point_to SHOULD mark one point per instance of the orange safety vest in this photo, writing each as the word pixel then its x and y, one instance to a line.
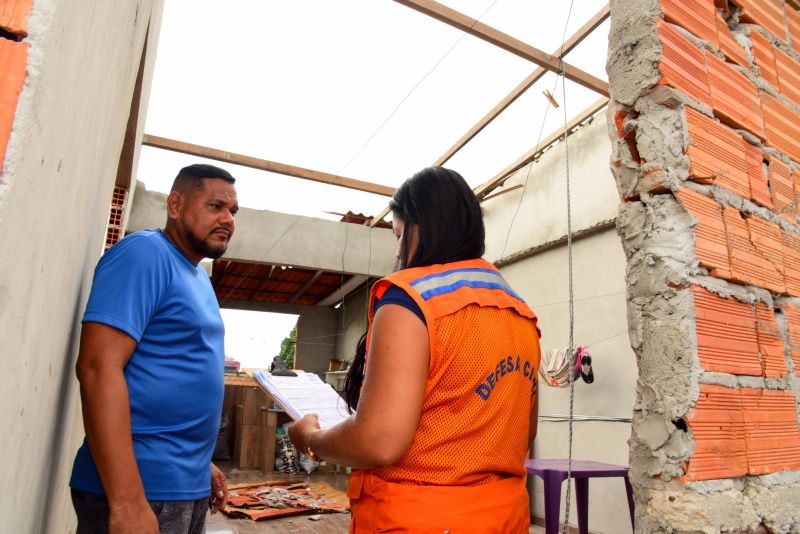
pixel 466 460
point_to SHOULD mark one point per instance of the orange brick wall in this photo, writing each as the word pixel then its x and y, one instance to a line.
pixel 115 216
pixel 13 64
pixel 742 145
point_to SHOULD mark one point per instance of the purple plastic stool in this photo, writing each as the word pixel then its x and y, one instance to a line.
pixel 554 472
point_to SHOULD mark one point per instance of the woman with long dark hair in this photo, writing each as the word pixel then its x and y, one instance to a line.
pixel 448 406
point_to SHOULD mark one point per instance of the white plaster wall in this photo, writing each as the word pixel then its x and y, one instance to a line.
pixel 541 215
pixel 54 201
pixel 272 237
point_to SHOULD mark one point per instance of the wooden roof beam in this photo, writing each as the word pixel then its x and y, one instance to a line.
pixel 536 151
pixel 266 165
pixel 304 287
pixel 569 45
pixel 491 35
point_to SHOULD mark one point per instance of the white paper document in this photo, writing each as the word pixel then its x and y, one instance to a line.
pixel 304 394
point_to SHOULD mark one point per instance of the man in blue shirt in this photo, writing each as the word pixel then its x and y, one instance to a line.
pixel 150 368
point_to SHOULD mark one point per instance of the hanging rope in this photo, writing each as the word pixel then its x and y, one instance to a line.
pixel 571 295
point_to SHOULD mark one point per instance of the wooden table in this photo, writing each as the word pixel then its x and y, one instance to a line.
pixel 252 421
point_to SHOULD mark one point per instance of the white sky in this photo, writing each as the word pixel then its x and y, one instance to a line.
pixel 310 82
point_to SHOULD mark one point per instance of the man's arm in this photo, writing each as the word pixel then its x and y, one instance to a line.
pixel 104 352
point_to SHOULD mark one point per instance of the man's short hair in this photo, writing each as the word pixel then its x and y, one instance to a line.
pixel 192 177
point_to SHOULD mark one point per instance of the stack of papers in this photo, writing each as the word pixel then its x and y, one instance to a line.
pixel 304 394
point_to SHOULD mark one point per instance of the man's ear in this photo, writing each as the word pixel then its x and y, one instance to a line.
pixel 174 204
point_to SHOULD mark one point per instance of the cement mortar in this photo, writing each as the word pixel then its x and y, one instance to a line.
pixel 635 49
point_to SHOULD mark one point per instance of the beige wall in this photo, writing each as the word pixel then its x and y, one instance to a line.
pixel 55 195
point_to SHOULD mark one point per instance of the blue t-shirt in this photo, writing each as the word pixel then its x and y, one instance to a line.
pixel 396 295
pixel 147 288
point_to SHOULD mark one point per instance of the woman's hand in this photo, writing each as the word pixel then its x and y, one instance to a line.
pixel 300 431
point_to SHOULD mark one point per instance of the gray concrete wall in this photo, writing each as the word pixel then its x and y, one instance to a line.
pixel 352 323
pixel 316 339
pixel 271 237
pixel 55 195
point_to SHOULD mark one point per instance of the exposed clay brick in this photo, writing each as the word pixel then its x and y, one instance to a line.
pixel 793 24
pixel 697 17
pixel 782 125
pixel 781 185
pixel 793 319
pixel 771 435
pixel 13 64
pixel 682 64
pixel 734 97
pixel 717 154
pixel 717 422
pixel 791 262
pixel 728 44
pixel 770 342
pixel 14 16
pixel 759 186
pixel 766 237
pixel 764 57
pixel 726 334
pixel 765 13
pixel 748 264
pixel 788 76
pixel 711 241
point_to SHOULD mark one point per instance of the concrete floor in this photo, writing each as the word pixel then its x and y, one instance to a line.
pixel 327 524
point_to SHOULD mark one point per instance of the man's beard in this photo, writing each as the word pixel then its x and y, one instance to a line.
pixel 202 247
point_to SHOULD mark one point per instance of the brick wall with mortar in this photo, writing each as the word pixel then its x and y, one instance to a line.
pixel 705 128
pixel 13 63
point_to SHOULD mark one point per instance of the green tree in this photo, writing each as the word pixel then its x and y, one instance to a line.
pixel 288 347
